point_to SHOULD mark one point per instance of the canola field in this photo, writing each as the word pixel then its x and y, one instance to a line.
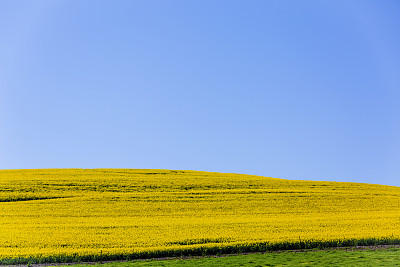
pixel 95 212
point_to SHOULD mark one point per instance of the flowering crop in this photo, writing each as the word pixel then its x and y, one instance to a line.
pixel 78 212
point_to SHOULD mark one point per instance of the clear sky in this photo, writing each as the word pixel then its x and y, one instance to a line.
pixel 289 89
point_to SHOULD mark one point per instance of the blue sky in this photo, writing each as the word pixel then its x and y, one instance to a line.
pixel 289 89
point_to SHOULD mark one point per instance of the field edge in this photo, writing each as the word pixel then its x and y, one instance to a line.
pixel 203 251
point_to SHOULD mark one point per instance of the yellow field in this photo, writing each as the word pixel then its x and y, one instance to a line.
pixel 111 211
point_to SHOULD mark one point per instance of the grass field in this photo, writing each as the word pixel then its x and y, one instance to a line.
pixel 365 257
pixel 60 215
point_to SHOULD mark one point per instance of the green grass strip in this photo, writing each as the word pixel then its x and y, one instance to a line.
pixel 388 256
pixel 204 251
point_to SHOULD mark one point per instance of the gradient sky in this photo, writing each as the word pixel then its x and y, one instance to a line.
pixel 289 89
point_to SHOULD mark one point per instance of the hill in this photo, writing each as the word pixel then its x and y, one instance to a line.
pixel 90 214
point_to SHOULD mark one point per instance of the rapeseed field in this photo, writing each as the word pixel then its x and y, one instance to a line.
pixel 65 214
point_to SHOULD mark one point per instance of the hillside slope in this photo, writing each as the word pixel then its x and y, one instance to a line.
pixel 78 212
